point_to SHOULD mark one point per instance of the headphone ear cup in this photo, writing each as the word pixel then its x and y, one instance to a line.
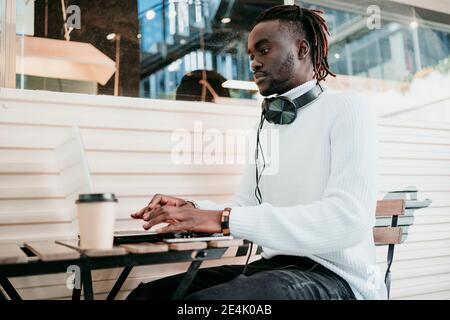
pixel 279 111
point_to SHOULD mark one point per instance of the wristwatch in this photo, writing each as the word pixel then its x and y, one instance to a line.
pixel 225 221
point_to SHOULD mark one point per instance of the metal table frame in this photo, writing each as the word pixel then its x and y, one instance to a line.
pixel 128 261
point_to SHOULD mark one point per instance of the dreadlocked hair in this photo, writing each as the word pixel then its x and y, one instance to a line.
pixel 309 24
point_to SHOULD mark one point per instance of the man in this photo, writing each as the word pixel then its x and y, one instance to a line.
pixel 316 214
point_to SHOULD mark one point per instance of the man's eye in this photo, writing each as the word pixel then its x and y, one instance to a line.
pixel 264 51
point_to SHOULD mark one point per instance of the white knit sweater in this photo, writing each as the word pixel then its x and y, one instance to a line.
pixel 321 202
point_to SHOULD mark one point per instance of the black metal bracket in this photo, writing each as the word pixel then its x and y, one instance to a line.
pixel 390 259
pixel 189 277
pixel 120 281
pixel 86 278
pixel 9 289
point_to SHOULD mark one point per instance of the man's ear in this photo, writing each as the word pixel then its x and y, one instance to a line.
pixel 302 49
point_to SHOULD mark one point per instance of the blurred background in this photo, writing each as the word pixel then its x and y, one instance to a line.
pixel 396 51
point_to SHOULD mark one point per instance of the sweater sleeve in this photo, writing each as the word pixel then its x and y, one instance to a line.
pixel 344 216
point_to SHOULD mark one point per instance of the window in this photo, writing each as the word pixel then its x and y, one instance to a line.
pixel 145 48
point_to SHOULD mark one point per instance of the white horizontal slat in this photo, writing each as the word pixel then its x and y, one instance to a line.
pixel 418 163
pixel 34 217
pixel 416 139
pixel 166 169
pixel 424 271
pixel 421 220
pixel 149 181
pixel 29 181
pixel 401 171
pixel 35 137
pixel 420 289
pixel 36 231
pixel 19 155
pixel 416 254
pixel 86 116
pixel 149 163
pixel 409 180
pixel 432 228
pixel 428 236
pixel 404 266
pixel 420 281
pixel 175 191
pixel 399 123
pixel 439 295
pixel 413 154
pixel 29 205
pixel 414 131
pixel 415 246
pixel 19 168
pixel 161 141
pixel 31 193
pixel 393 144
pixel 105 101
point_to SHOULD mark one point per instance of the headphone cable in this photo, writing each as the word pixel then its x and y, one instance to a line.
pixel 258 178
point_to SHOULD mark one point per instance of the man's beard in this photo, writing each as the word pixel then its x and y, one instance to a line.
pixel 286 70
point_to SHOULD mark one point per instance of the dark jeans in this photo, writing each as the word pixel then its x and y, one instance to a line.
pixel 278 278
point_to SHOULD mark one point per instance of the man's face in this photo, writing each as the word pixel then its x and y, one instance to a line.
pixel 273 54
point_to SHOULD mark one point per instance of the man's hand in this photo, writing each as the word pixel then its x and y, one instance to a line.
pixel 158 201
pixel 182 219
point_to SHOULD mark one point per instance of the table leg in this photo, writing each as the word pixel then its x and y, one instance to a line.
pixel 186 282
pixel 76 293
pixel 86 281
pixel 120 281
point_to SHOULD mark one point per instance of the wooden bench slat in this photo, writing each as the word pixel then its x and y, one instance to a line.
pixel 182 246
pixel 114 251
pixel 225 243
pixel 51 251
pixel 392 207
pixel 387 235
pixel 146 247
pixel 11 253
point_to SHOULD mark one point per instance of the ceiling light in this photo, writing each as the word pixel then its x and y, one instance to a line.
pixel 241 85
pixel 111 36
pixel 150 14
pixel 226 20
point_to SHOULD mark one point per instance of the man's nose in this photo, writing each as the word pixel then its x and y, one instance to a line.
pixel 255 65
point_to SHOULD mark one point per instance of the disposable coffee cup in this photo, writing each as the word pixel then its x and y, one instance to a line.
pixel 96 218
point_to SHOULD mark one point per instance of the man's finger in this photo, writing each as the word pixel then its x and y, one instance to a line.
pixel 139 214
pixel 164 217
pixel 151 213
pixel 156 200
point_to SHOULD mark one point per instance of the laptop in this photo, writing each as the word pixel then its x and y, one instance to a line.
pixel 137 236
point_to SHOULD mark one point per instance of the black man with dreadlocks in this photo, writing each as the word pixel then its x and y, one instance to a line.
pixel 313 216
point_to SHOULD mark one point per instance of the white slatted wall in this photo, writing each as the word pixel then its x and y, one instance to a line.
pixel 128 142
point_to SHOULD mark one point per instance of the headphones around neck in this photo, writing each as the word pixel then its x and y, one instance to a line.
pixel 282 110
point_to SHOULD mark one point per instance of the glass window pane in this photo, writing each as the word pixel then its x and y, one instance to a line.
pixel 151 48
